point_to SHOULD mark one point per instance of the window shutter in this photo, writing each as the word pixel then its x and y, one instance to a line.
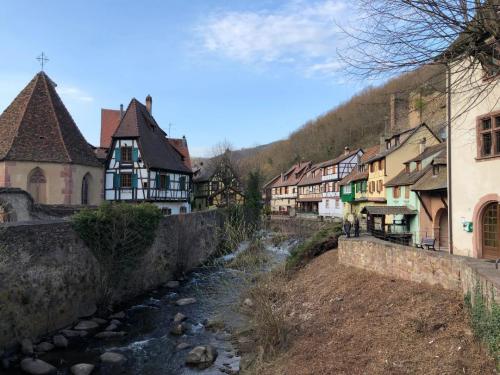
pixel 134 180
pixel 168 182
pixel 135 154
pixel 118 154
pixel 116 180
pixel 182 183
pixel 157 181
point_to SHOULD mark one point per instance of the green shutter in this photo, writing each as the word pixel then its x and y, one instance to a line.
pixel 134 180
pixel 168 182
pixel 157 180
pixel 135 154
pixel 182 182
pixel 118 154
pixel 116 181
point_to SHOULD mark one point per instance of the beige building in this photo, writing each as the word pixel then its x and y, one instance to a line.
pixel 284 191
pixel 43 152
pixel 475 163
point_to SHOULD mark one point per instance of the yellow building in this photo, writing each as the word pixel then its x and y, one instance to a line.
pixel 43 152
pixel 284 191
pixel 388 163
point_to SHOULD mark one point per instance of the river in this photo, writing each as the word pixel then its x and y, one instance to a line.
pixel 149 346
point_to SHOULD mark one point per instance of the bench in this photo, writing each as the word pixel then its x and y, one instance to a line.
pixel 427 243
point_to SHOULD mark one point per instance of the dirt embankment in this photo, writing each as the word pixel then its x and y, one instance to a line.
pixel 349 321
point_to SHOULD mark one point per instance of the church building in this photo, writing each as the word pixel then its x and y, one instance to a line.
pixel 43 152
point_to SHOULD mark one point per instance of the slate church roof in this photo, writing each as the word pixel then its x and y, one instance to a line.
pixel 36 126
pixel 156 150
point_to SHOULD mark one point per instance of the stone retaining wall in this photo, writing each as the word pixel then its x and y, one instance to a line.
pixel 431 267
pixel 47 274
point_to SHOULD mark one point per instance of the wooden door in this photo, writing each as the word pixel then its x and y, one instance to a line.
pixel 491 231
pixel 443 230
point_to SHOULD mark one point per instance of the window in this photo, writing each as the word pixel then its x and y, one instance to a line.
pixel 164 181
pixel 488 136
pixel 85 189
pixel 183 210
pixel 418 166
pixel 407 192
pixel 337 204
pixel 145 184
pixel 435 170
pixel 182 183
pixel 396 192
pixel 327 203
pixel 372 167
pixel 126 154
pixel 166 211
pixel 347 189
pixel 125 180
pixel 215 186
pixel 380 188
pixel 407 168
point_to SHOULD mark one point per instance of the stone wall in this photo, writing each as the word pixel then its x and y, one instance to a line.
pixel 47 274
pixel 424 266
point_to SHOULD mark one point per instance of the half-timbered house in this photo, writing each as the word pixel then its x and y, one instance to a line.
pixel 143 165
pixel 332 172
pixel 284 189
pixel 309 191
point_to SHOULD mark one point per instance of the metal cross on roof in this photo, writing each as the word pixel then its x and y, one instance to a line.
pixel 42 59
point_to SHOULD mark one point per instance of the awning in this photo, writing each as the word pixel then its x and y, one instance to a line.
pixel 309 200
pixel 388 210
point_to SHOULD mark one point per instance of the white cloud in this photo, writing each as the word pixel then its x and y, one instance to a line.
pixel 303 34
pixel 75 93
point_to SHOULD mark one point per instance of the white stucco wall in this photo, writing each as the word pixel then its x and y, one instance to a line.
pixel 472 179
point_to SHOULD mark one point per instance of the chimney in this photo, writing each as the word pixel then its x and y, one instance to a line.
pixel 184 141
pixel 149 104
pixel 346 150
pixel 422 144
pixel 121 111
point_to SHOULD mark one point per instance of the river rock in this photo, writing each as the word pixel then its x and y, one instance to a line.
pixel 44 347
pixel 116 322
pixel 202 356
pixel 185 301
pixel 178 329
pixel 99 321
pixel 118 315
pixel 213 324
pixel 69 333
pixel 173 284
pixel 179 317
pixel 85 325
pixel 111 327
pixel 37 367
pixel 113 358
pixel 82 369
pixel 248 302
pixel 182 346
pixel 27 346
pixel 109 335
pixel 60 341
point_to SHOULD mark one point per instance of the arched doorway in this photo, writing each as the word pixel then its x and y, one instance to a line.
pixel 86 183
pixel 442 226
pixel 490 229
pixel 37 185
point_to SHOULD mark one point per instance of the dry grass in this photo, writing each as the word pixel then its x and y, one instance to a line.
pixel 332 319
pixel 251 259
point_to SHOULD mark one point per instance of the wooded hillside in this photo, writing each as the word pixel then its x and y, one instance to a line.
pixel 359 122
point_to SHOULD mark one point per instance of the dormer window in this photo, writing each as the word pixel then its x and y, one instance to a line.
pixel 418 166
pixel 387 145
pixel 407 168
pixel 126 154
pixel 435 170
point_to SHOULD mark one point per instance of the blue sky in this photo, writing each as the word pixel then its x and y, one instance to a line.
pixel 249 72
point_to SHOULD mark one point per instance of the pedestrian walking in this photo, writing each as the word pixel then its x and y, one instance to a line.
pixel 347 228
pixel 356 227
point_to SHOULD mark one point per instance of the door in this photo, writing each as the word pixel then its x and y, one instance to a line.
pixel 443 230
pixel 491 231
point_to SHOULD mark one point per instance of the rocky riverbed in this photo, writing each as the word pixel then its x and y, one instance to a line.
pixel 184 327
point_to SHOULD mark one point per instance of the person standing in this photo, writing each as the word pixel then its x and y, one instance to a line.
pixel 356 227
pixel 347 228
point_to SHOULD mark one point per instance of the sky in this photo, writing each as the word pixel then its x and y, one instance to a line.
pixel 244 71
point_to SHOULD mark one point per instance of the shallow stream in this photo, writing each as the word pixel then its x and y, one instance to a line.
pixel 149 346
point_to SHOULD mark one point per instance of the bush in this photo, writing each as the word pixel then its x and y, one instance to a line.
pixel 321 241
pixel 250 259
pixel 485 322
pixel 118 234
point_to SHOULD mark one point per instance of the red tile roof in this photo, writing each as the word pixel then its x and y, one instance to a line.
pixel 110 119
pixel 36 126
pixel 180 145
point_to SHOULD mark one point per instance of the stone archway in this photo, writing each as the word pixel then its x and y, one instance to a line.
pixel 37 185
pixel 477 221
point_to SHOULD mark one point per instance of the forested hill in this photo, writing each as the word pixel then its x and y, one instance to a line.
pixel 359 122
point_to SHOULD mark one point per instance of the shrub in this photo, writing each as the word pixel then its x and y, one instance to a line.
pixel 485 321
pixel 250 259
pixel 321 241
pixel 118 234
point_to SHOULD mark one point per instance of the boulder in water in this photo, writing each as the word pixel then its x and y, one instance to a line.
pixel 172 284
pixel 37 367
pixel 113 358
pixel 85 325
pixel 60 341
pixel 185 301
pixel 202 356
pixel 179 317
pixel 44 347
pixel 109 335
pixel 82 369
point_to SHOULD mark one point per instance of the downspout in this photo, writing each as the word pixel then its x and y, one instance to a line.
pixel 448 157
